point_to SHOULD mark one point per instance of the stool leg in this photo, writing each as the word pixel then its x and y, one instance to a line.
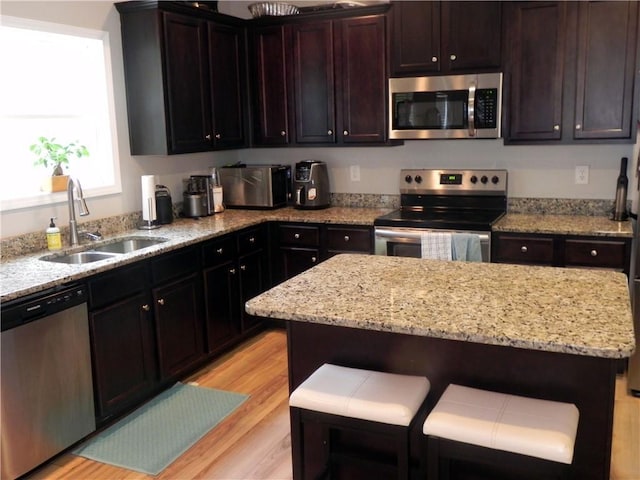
pixel 403 455
pixel 433 458
pixel 297 444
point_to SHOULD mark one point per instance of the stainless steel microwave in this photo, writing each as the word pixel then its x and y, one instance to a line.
pixel 256 186
pixel 450 106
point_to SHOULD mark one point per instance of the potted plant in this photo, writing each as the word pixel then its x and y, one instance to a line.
pixel 56 155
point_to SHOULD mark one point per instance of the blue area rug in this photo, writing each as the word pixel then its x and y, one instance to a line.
pixel 150 438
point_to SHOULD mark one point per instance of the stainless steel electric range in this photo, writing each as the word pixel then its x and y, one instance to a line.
pixel 454 201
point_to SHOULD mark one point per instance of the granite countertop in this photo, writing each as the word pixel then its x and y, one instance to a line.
pixel 28 274
pixel 582 312
pixel 563 225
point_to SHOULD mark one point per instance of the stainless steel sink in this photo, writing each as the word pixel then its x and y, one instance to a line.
pixel 78 258
pixel 127 245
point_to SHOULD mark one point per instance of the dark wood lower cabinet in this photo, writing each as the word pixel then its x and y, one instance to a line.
pixel 221 299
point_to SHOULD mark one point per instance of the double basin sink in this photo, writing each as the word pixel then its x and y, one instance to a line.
pixel 105 251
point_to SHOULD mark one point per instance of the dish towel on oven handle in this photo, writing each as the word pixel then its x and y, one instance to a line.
pixel 436 245
pixel 466 247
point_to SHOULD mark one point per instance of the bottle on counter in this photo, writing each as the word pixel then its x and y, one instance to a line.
pixel 54 239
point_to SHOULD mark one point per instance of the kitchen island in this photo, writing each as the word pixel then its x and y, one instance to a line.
pixel 550 333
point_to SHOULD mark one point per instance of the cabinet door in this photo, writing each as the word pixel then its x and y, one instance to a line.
pixel 221 300
pixel 124 366
pixel 415 40
pixel 253 271
pixel 607 39
pixel 535 69
pixel 271 86
pixel 187 86
pixel 471 34
pixel 179 325
pixel 296 260
pixel 313 65
pixel 226 68
pixel 364 80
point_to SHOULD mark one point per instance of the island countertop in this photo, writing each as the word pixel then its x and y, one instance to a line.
pixel 574 311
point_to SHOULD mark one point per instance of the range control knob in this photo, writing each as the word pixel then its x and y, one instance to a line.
pixel 484 179
pixel 408 179
pixel 418 179
pixel 473 179
pixel 495 179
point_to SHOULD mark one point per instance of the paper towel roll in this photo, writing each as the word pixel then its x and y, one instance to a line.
pixel 148 197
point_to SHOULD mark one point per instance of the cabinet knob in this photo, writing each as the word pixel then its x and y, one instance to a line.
pixel 252 239
pixel 578 126
pixel 232 271
pixel 146 307
pixel 556 127
pixel 283 133
pixel 346 238
pixel 594 253
pixel 434 59
pixel 452 57
pixel 218 136
pixel 161 301
pixel 219 251
pixel 296 236
pixel 314 259
pixel 330 132
pixel 243 268
pixel 346 133
pixel 207 137
pixel 524 249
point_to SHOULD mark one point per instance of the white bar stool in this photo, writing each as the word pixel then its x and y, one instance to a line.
pixel 509 432
pixel 343 398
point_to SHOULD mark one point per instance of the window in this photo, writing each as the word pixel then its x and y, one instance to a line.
pixel 56 82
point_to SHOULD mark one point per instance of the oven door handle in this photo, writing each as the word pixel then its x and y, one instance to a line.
pixel 417 234
pixel 471 110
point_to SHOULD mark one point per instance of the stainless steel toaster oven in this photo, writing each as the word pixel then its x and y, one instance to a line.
pixel 256 186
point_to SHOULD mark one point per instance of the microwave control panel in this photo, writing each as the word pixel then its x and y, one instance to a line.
pixel 486 110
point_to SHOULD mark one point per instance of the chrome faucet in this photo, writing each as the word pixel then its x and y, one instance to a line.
pixel 82 209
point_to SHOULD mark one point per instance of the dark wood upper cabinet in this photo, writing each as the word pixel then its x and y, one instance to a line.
pixel 445 37
pixel 271 85
pixel 607 51
pixel 570 71
pixel 185 78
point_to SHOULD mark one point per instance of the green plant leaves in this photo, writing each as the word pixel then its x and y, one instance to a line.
pixel 54 154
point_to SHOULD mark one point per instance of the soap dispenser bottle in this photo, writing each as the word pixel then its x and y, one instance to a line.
pixel 54 240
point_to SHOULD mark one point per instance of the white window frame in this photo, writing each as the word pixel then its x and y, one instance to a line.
pixel 44 199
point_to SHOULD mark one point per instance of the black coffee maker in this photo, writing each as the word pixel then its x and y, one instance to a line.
pixel 164 206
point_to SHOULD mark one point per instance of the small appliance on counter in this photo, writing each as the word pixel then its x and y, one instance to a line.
pixel 198 198
pixel 619 213
pixel 311 185
pixel 164 205
pixel 256 186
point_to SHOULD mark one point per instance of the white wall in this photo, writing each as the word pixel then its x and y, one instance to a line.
pixel 545 171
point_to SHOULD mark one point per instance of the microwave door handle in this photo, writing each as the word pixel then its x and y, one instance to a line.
pixel 471 110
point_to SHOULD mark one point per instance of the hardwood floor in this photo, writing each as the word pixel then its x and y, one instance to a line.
pixel 254 443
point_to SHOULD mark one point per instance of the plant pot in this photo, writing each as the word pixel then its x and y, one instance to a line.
pixel 57 183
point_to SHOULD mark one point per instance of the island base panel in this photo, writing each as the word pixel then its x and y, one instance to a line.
pixel 589 382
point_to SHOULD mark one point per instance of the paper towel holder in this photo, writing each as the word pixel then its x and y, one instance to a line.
pixel 148 224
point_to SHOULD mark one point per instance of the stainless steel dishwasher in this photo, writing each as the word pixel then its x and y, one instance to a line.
pixel 47 391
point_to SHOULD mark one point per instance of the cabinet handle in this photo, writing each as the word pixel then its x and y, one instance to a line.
pixel 243 268
pixel 330 132
pixel 146 307
pixel 578 126
pixel 252 239
pixel 556 127
pixel 219 251
pixel 232 271
pixel 218 136
pixel 594 253
pixel 452 57
pixel 313 259
pixel 296 236
pixel 283 133
pixel 524 249
pixel 161 301
pixel 207 137
pixel 346 238
pixel 434 59
pixel 346 133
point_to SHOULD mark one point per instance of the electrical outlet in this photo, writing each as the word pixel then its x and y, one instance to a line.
pixel 582 174
pixel 354 171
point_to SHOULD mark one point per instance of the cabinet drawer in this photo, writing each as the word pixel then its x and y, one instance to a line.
pixel 175 265
pixel 525 250
pixel 219 251
pixel 345 239
pixel 299 235
pixel 116 285
pixel 594 253
pixel 251 240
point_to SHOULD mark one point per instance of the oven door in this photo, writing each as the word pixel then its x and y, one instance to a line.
pixel 407 242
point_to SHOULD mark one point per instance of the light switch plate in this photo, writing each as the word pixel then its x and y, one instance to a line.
pixel 582 174
pixel 354 171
